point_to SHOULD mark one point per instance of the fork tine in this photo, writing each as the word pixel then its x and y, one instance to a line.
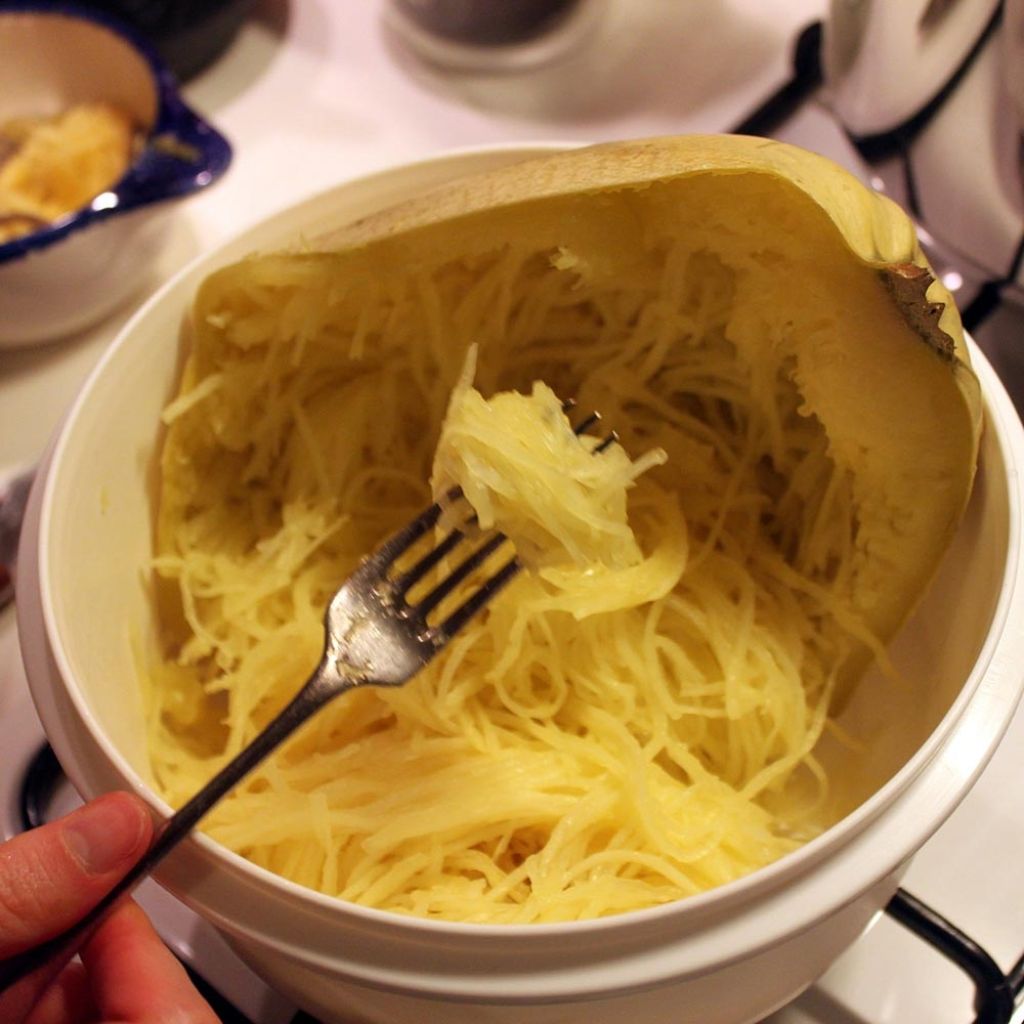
pixel 408 579
pixel 469 608
pixel 400 542
pixel 403 582
pixel 458 574
pixel 584 425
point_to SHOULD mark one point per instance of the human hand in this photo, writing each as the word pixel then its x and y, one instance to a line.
pixel 49 878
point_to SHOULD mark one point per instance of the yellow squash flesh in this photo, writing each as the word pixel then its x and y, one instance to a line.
pixel 876 344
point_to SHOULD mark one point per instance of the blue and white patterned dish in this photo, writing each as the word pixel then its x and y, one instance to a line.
pixel 68 274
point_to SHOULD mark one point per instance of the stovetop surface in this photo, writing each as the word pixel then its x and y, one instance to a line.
pixel 310 96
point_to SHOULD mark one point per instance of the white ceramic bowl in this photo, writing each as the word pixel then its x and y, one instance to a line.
pixel 730 955
pixel 68 275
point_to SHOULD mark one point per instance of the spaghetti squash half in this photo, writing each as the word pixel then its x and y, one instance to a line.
pixel 604 738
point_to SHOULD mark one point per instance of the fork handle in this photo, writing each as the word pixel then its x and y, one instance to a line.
pixel 314 694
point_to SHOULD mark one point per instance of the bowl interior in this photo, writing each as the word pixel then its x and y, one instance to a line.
pixel 98 509
pixel 53 61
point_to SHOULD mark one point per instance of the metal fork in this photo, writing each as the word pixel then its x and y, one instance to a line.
pixel 374 636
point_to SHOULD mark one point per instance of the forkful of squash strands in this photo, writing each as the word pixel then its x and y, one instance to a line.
pixel 527 472
pixel 406 601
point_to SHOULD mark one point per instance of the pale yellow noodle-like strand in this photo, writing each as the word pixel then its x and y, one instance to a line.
pixel 593 744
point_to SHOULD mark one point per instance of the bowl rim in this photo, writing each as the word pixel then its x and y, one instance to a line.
pixel 158 172
pixel 783 873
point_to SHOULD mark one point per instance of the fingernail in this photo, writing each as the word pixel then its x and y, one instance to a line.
pixel 103 835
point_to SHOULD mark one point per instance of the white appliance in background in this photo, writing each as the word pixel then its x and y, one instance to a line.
pixel 885 61
pixel 932 91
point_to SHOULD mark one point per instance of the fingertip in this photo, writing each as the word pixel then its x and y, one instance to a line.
pixel 52 875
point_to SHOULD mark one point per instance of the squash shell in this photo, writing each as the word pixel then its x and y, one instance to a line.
pixel 895 391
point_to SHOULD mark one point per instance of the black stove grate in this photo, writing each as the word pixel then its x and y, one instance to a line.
pixel 994 991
